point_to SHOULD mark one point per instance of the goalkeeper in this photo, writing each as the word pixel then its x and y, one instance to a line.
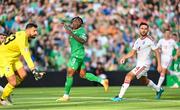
pixel 11 48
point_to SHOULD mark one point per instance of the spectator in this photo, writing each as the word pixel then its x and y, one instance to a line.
pixel 112 26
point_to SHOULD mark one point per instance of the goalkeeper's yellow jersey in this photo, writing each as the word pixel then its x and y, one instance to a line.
pixel 13 47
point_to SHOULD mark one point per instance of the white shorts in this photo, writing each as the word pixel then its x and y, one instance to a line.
pixel 140 71
pixel 165 61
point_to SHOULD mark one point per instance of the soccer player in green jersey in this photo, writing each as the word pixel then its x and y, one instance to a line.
pixel 77 38
pixel 174 68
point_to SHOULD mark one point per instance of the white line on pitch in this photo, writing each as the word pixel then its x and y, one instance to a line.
pixel 95 98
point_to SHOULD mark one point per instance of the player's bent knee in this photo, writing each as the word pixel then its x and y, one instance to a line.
pixel 82 75
pixel 129 77
pixel 144 81
pixel 23 76
pixel 21 73
pixel 164 71
pixel 70 72
pixel 12 82
pixel 162 74
pixel 147 82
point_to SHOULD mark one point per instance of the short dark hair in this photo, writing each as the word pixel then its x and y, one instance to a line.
pixel 79 18
pixel 167 29
pixel 30 25
pixel 143 23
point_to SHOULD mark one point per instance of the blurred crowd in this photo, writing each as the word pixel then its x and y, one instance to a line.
pixel 112 27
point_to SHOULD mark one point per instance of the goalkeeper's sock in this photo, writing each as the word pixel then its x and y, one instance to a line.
pixel 161 80
pixel 123 89
pixel 7 91
pixel 68 84
pixel 92 77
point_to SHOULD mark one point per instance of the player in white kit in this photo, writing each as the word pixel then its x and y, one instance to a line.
pixel 166 45
pixel 142 46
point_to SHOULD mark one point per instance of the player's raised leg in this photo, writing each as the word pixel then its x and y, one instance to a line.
pixel 151 84
pixel 92 77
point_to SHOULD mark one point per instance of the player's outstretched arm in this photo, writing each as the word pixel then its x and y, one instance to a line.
pixel 27 56
pixel 130 54
pixel 159 67
pixel 24 49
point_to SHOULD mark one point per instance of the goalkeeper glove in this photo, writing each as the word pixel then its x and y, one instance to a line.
pixel 37 74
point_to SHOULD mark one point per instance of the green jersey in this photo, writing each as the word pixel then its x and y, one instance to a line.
pixel 175 65
pixel 174 51
pixel 77 48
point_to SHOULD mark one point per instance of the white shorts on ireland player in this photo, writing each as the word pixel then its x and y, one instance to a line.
pixel 140 71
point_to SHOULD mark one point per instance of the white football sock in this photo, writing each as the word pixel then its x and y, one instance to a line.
pixel 154 86
pixel 123 89
pixel 161 80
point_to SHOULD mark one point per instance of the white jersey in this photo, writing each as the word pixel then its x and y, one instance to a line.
pixel 143 48
pixel 167 46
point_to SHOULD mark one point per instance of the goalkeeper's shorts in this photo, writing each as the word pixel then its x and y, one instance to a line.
pixel 8 69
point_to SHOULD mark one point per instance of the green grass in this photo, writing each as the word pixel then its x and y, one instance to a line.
pixel 93 98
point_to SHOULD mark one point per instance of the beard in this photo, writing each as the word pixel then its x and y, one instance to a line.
pixel 143 33
pixel 32 37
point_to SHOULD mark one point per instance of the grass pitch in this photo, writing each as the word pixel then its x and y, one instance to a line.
pixel 93 98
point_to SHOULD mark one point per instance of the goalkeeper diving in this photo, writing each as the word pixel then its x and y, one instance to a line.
pixel 11 48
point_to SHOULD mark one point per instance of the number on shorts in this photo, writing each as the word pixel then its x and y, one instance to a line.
pixel 73 61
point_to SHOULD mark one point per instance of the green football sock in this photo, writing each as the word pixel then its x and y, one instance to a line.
pixel 92 77
pixel 68 84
